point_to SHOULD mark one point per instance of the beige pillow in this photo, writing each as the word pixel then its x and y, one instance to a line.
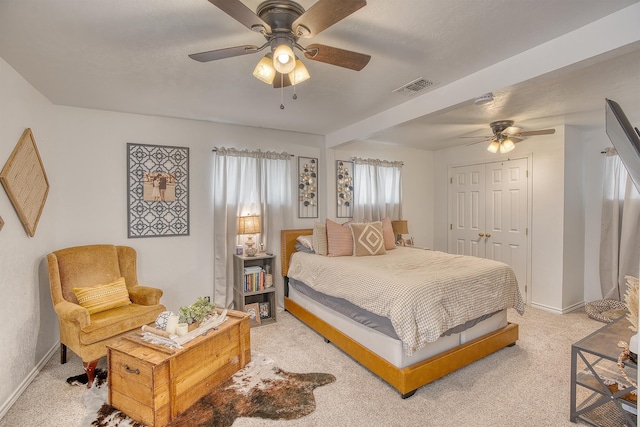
pixel 387 233
pixel 320 238
pixel 368 239
pixel 339 239
pixel 104 296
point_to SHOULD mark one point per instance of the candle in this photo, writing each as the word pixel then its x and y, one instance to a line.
pixel 182 329
pixel 172 323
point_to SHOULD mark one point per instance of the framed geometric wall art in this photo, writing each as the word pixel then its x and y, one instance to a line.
pixel 25 181
pixel 307 187
pixel 157 190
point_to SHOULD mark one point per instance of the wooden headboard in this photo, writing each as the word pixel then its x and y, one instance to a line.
pixel 288 243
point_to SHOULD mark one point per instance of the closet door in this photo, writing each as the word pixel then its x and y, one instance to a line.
pixel 467 208
pixel 507 216
pixel 489 209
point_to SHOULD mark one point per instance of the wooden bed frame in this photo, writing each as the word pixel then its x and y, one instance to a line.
pixel 406 380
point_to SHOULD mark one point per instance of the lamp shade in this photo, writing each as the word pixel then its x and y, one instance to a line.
pixel 299 74
pixel 507 145
pixel 249 224
pixel 493 147
pixel 400 227
pixel 284 61
pixel 264 71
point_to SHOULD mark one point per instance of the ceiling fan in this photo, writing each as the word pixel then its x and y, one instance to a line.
pixel 283 23
pixel 505 135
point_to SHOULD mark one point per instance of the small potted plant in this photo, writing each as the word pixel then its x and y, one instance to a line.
pixel 193 314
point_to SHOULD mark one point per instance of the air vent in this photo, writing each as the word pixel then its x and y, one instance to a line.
pixel 415 86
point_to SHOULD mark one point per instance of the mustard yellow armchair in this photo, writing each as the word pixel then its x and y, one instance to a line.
pixel 85 331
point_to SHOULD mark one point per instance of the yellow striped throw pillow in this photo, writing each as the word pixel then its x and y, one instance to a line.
pixel 104 296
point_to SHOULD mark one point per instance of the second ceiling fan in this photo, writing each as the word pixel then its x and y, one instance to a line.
pixel 505 135
pixel 283 23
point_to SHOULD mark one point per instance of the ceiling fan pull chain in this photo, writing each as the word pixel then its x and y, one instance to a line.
pixel 295 96
pixel 281 91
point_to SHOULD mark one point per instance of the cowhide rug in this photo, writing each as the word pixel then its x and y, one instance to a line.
pixel 260 389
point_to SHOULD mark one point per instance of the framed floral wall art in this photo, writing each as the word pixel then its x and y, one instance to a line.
pixel 158 190
pixel 344 188
pixel 307 187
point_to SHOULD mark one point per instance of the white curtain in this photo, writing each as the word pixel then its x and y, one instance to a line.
pixel 377 189
pixel 619 240
pixel 248 182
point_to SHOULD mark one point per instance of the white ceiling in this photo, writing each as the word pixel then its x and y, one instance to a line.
pixel 131 56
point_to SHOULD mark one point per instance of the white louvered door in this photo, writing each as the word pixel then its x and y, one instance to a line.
pixel 489 209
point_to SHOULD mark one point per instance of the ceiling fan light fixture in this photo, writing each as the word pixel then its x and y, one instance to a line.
pixel 264 70
pixel 299 73
pixel 493 147
pixel 284 61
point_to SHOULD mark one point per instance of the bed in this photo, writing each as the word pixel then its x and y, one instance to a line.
pixel 404 364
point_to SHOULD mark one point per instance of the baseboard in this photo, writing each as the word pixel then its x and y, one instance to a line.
pixel 556 310
pixel 573 307
pixel 25 383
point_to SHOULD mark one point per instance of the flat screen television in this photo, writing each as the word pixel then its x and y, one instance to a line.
pixel 624 138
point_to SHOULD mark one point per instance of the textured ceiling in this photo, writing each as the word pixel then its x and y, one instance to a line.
pixel 131 56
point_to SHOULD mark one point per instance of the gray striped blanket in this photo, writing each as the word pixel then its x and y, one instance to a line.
pixel 423 293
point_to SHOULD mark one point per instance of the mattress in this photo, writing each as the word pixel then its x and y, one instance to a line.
pixel 389 348
pixel 364 317
pixel 423 293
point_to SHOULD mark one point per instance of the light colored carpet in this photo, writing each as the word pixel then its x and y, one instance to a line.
pixel 525 385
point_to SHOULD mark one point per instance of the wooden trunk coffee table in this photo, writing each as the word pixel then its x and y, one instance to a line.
pixel 153 383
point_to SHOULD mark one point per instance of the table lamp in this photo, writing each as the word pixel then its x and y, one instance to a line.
pixel 250 225
pixel 400 227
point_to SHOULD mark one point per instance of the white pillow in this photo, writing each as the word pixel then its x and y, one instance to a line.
pixel 306 241
pixel 320 238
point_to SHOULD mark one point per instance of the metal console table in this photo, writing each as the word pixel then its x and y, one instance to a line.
pixel 594 368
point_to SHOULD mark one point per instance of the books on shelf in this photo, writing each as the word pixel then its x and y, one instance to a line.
pixel 253 279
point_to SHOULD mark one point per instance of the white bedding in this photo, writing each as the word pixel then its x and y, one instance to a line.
pixel 423 293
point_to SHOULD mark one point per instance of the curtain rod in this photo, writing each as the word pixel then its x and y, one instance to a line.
pixel 215 149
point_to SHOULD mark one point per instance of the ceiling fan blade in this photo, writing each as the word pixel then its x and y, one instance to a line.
pixel 323 14
pixel 335 56
pixel 537 132
pixel 241 13
pixel 512 130
pixel 229 52
pixel 474 143
pixel 487 138
pixel 514 139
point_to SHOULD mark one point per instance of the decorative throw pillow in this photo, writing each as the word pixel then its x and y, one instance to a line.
pixel 387 233
pixel 368 239
pixel 104 296
pixel 320 238
pixel 306 241
pixel 339 239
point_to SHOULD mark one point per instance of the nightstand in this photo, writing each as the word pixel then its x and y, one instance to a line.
pixel 253 284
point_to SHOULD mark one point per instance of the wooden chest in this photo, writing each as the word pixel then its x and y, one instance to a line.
pixel 153 383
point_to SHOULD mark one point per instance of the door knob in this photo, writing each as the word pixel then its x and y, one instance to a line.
pixel 481 234
pixel 488 234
